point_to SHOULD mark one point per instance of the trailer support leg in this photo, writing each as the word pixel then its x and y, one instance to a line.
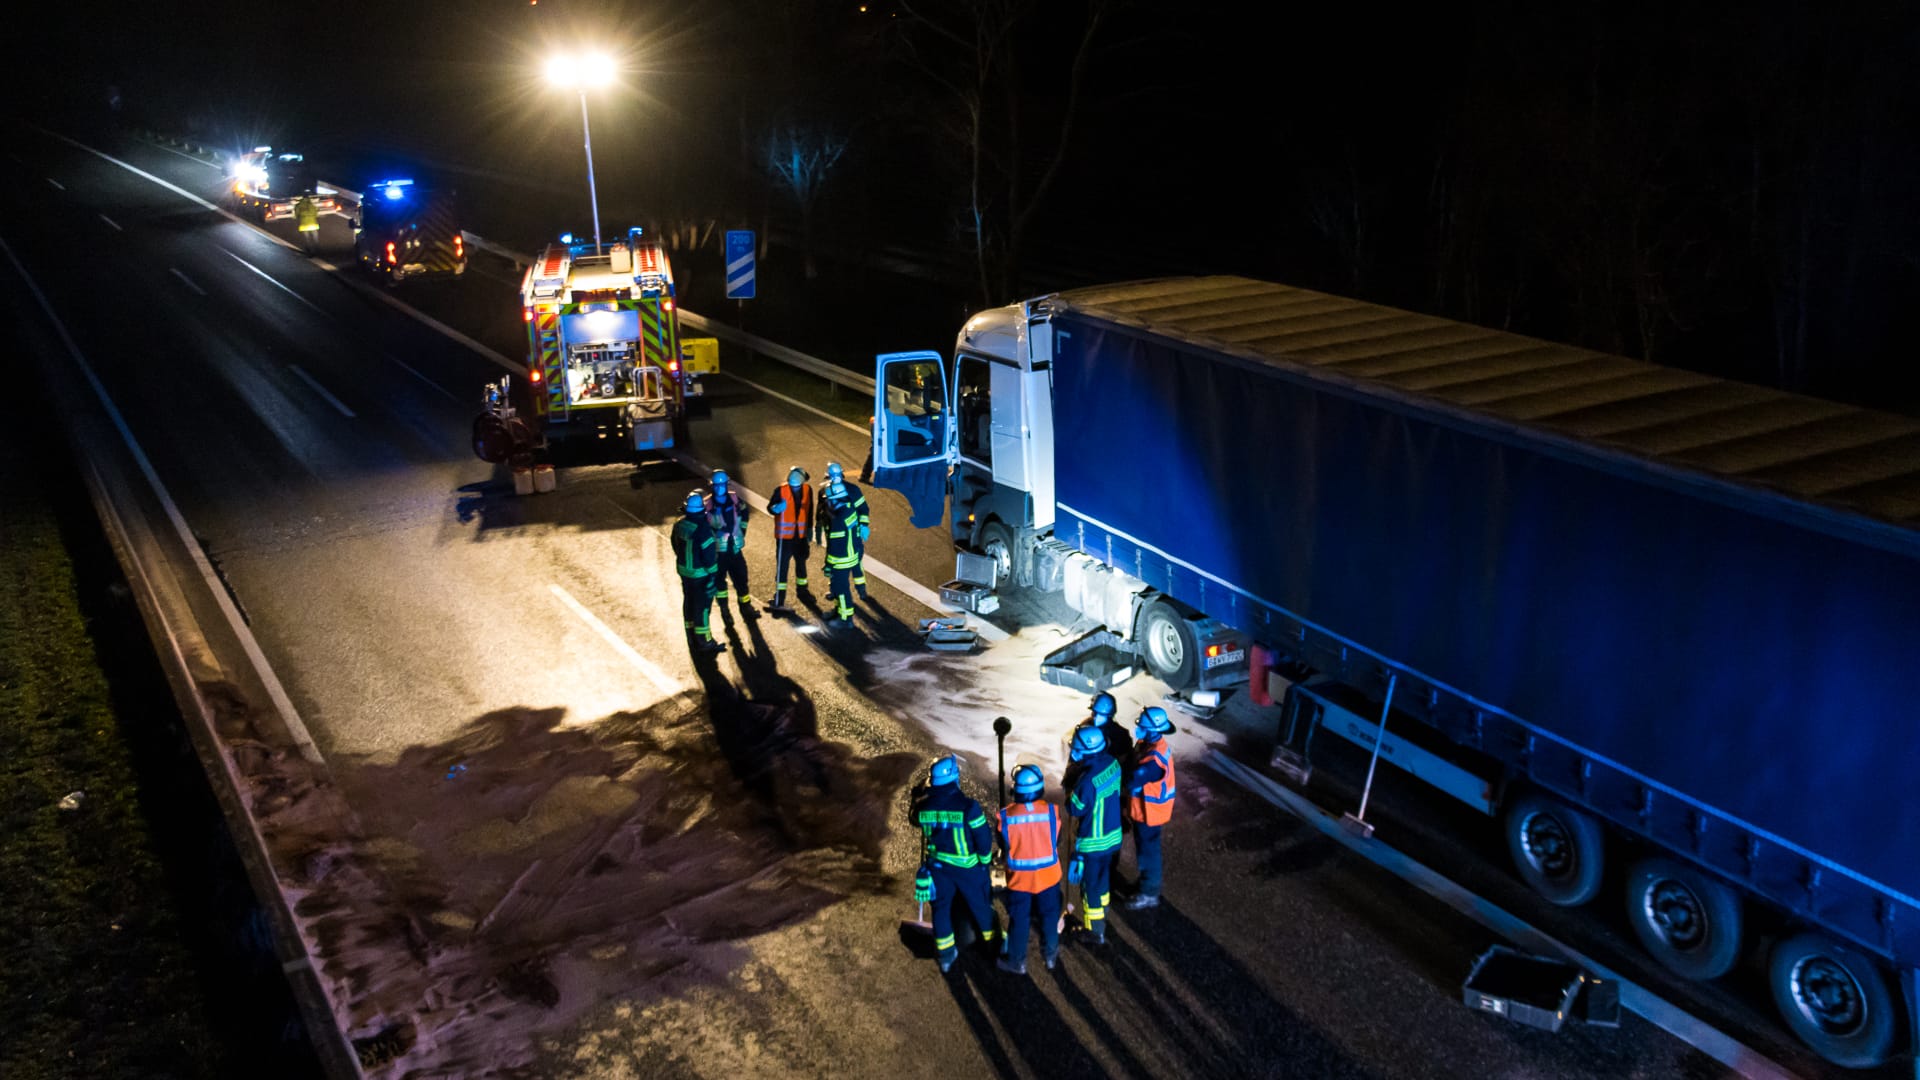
pixel 1358 821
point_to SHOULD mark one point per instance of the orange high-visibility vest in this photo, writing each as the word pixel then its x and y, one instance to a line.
pixel 1153 805
pixel 1031 832
pixel 795 519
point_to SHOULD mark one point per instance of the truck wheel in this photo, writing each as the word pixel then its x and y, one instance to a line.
pixel 1687 920
pixel 996 543
pixel 1558 850
pixel 1834 999
pixel 1166 640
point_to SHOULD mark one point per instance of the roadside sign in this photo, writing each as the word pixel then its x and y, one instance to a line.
pixel 740 264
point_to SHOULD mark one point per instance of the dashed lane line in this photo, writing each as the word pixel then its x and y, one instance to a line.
pixel 666 683
pixel 58 186
pixel 277 693
pixel 185 280
pixel 321 390
pixel 273 281
pixel 110 221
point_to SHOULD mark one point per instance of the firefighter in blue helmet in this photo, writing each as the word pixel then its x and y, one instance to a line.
pixel 845 542
pixel 1030 835
pixel 696 559
pixel 957 845
pixel 1095 806
pixel 728 513
pixel 858 501
pixel 1150 797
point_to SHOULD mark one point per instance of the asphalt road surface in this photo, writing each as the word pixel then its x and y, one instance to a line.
pixel 620 861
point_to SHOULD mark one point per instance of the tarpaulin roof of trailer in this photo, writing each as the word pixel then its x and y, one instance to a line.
pixel 1851 462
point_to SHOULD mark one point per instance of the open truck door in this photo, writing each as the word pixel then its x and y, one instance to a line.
pixel 913 431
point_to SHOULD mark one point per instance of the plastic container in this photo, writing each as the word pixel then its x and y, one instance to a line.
pixel 1099 661
pixel 543 478
pixel 522 480
pixel 1536 991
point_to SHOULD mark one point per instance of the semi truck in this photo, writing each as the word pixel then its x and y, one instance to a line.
pixel 1633 615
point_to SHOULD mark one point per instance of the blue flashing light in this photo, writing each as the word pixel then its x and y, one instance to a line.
pixel 394 191
pixel 566 238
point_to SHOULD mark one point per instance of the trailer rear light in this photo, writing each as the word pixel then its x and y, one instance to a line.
pixel 392 259
pixel 459 247
pixel 1213 651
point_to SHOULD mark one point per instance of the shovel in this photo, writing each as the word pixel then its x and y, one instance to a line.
pixel 918 924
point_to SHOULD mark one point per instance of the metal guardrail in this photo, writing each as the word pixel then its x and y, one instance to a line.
pixel 775 351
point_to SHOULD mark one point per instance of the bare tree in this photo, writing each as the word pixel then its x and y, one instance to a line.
pixel 969 50
pixel 799 157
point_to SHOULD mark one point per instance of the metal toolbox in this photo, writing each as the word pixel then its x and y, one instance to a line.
pixel 1099 661
pixel 1537 991
pixel 974 578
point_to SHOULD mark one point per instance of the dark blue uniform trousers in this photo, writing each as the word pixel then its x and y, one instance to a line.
pixel 1021 909
pixel 974 888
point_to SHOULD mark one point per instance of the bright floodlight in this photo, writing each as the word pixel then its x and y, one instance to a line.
pixel 581 72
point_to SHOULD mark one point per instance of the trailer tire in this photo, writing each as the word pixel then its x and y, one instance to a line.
pixel 1835 999
pixel 1557 850
pixel 1683 918
pixel 1167 644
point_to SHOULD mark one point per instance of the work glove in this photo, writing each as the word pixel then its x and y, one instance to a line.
pixel 864 533
pixel 1076 869
pixel 923 886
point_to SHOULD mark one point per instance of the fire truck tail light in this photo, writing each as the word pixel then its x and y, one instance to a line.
pixel 392 259
pixel 459 246
pixel 667 304
pixel 533 375
pixel 673 365
pixel 527 313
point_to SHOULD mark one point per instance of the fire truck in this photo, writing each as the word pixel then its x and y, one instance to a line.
pixel 603 354
pixel 268 184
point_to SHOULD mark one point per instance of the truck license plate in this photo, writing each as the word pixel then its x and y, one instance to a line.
pixel 1226 658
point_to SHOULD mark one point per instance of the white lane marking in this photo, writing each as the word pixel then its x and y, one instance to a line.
pixel 185 280
pixel 321 390
pixel 268 680
pixel 57 184
pixel 1664 1014
pixel 910 588
pixel 798 404
pixel 275 282
pixel 425 319
pixel 437 388
pixel 110 221
pixel 175 188
pixel 667 684
pixel 189 157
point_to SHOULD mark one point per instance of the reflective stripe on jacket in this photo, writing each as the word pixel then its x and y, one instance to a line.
pixel 728 515
pixel 1030 832
pixel 1096 803
pixel 953 828
pixel 1151 800
pixel 842 527
pixel 794 518
pixel 694 554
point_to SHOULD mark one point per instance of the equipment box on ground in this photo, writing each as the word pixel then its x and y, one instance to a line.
pixel 974 577
pixel 1099 661
pixel 1533 990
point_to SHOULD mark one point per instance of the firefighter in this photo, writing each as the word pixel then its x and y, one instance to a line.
pixel 839 522
pixel 835 474
pixel 697 561
pixel 1095 804
pixel 1030 835
pixel 957 845
pixel 306 216
pixel 1150 795
pixel 728 513
pixel 1100 714
pixel 792 510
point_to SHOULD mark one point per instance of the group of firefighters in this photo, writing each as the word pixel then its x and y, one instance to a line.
pixel 1109 791
pixel 709 548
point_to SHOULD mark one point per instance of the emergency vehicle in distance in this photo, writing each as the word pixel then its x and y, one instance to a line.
pixel 268 184
pixel 402 231
pixel 603 353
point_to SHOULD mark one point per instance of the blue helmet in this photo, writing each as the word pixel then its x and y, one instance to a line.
pixel 945 771
pixel 1088 741
pixel 1028 781
pixel 696 503
pixel 1152 724
pixel 719 480
pixel 1103 706
pixel 796 476
pixel 834 471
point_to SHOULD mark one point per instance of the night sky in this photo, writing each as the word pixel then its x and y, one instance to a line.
pixel 1725 192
